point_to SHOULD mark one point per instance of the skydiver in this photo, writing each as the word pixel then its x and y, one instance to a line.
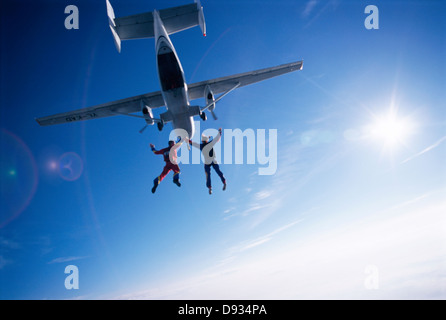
pixel 207 149
pixel 171 164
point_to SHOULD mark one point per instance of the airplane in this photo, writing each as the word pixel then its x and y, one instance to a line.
pixel 175 94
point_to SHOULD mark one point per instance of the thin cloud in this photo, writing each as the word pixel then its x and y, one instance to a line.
pixel 246 245
pixel 253 207
pixel 309 8
pixel 8 244
pixel 301 271
pixel 66 259
pixel 263 194
pixel 430 148
pixel 4 262
pixel 255 243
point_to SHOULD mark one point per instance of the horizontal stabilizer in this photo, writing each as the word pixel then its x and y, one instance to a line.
pixel 111 22
pixel 141 26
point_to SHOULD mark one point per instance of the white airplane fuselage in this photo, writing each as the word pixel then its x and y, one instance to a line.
pixel 172 81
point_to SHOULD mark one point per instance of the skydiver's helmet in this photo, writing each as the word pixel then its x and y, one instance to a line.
pixel 171 143
pixel 204 138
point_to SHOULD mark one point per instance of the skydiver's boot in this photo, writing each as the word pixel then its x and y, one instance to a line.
pixel 155 184
pixel 210 190
pixel 176 179
pixel 224 186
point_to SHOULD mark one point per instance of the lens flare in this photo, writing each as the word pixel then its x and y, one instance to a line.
pixel 70 166
pixel 19 177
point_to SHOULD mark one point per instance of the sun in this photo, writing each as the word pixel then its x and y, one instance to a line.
pixel 391 129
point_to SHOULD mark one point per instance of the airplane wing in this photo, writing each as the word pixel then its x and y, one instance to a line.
pixel 155 100
pixel 119 107
pixel 225 84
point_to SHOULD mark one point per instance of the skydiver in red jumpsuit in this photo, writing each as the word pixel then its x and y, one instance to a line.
pixel 170 165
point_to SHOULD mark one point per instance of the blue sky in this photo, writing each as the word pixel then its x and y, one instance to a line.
pixel 355 189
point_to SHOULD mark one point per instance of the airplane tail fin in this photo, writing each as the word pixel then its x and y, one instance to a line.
pixel 140 26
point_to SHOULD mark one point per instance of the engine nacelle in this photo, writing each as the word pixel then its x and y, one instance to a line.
pixel 148 115
pixel 209 97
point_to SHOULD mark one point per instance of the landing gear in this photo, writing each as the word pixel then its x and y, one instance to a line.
pixel 203 116
pixel 160 125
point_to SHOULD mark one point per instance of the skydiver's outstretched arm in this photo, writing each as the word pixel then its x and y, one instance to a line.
pixel 152 147
pixel 192 143
pixel 217 138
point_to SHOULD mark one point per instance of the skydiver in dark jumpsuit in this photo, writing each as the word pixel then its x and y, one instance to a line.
pixel 207 149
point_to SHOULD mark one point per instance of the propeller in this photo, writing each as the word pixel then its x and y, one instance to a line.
pixel 143 128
